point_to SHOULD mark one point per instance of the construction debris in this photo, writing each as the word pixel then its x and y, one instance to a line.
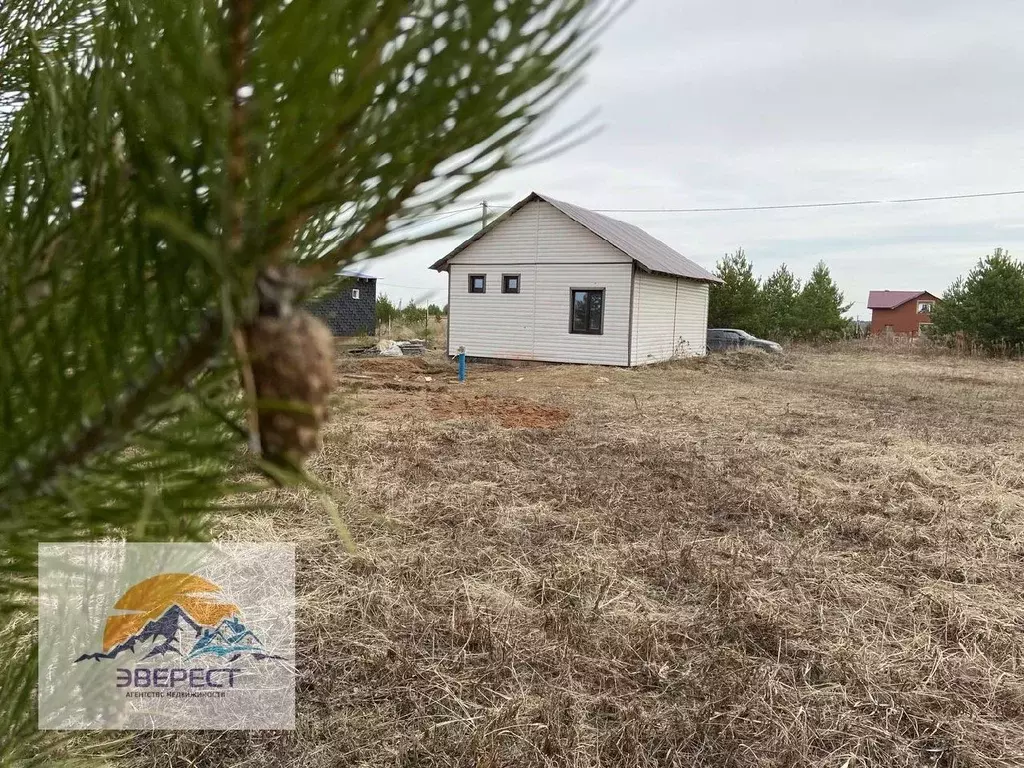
pixel 387 348
pixel 414 347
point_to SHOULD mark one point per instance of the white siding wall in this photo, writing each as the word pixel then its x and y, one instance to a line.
pixel 692 318
pixel 539 233
pixel 669 318
pixel 553 254
pixel 654 317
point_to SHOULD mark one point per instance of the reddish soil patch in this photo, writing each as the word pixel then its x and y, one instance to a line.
pixel 398 366
pixel 510 413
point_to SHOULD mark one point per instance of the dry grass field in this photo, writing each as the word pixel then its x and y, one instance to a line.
pixel 736 561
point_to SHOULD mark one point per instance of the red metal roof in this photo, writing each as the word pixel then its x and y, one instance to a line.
pixel 891 299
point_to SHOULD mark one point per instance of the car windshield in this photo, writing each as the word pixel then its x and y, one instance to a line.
pixel 744 334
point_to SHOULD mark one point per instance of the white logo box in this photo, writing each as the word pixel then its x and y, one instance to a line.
pixel 166 636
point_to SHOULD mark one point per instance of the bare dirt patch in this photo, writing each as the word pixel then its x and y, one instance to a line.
pixel 511 413
pixel 397 366
pixel 410 372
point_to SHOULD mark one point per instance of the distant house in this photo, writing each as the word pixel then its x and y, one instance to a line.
pixel 351 310
pixel 552 281
pixel 901 313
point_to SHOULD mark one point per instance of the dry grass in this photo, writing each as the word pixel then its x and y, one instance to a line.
pixel 921 346
pixel 738 561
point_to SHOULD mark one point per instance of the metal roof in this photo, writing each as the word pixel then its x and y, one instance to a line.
pixel 348 272
pixel 892 299
pixel 647 251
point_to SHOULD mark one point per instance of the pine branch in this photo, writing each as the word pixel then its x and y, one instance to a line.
pixel 239 23
pixel 119 418
pixel 255 132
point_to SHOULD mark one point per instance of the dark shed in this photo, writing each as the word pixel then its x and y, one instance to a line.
pixel 352 309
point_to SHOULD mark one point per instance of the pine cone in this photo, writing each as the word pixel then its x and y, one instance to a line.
pixel 291 358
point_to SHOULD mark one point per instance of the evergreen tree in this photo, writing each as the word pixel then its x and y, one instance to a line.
pixel 386 310
pixel 413 315
pixel 779 296
pixel 735 303
pixel 988 306
pixel 820 307
pixel 155 158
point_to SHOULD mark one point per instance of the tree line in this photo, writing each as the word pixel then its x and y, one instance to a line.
pixel 410 314
pixel 985 307
pixel 781 307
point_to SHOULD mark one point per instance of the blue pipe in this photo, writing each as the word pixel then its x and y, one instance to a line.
pixel 462 364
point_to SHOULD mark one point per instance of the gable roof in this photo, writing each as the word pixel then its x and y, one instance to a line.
pixel 647 251
pixel 893 299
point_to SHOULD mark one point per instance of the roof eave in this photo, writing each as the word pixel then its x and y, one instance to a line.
pixel 709 279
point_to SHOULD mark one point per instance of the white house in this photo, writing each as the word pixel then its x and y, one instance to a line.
pixel 551 281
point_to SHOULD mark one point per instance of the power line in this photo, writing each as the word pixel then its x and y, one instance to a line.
pixel 440 215
pixel 408 287
pixel 842 203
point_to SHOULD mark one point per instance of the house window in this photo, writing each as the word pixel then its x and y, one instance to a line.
pixel 510 283
pixel 478 283
pixel 924 328
pixel 925 306
pixel 355 294
pixel 587 310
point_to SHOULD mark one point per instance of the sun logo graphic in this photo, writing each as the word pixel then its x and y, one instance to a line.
pixel 177 615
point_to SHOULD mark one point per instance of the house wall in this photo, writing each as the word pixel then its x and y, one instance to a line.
pixel 552 254
pixel 692 318
pixel 904 319
pixel 670 317
pixel 346 316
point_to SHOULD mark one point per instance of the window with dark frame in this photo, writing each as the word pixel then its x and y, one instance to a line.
pixel 478 283
pixel 510 283
pixel 586 310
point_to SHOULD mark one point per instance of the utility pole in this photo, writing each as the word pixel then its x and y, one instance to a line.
pixel 483 214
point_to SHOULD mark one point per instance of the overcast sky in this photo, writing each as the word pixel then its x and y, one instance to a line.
pixel 714 103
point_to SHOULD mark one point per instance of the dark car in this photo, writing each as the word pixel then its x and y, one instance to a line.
pixel 721 339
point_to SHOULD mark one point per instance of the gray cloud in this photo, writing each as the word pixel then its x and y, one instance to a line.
pixel 716 103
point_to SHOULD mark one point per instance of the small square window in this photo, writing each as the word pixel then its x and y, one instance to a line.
pixel 925 306
pixel 478 283
pixel 510 283
pixel 355 294
pixel 586 310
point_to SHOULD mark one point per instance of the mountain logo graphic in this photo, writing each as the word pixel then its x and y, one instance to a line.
pixel 178 615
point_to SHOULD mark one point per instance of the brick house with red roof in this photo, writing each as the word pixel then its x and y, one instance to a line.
pixel 903 313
